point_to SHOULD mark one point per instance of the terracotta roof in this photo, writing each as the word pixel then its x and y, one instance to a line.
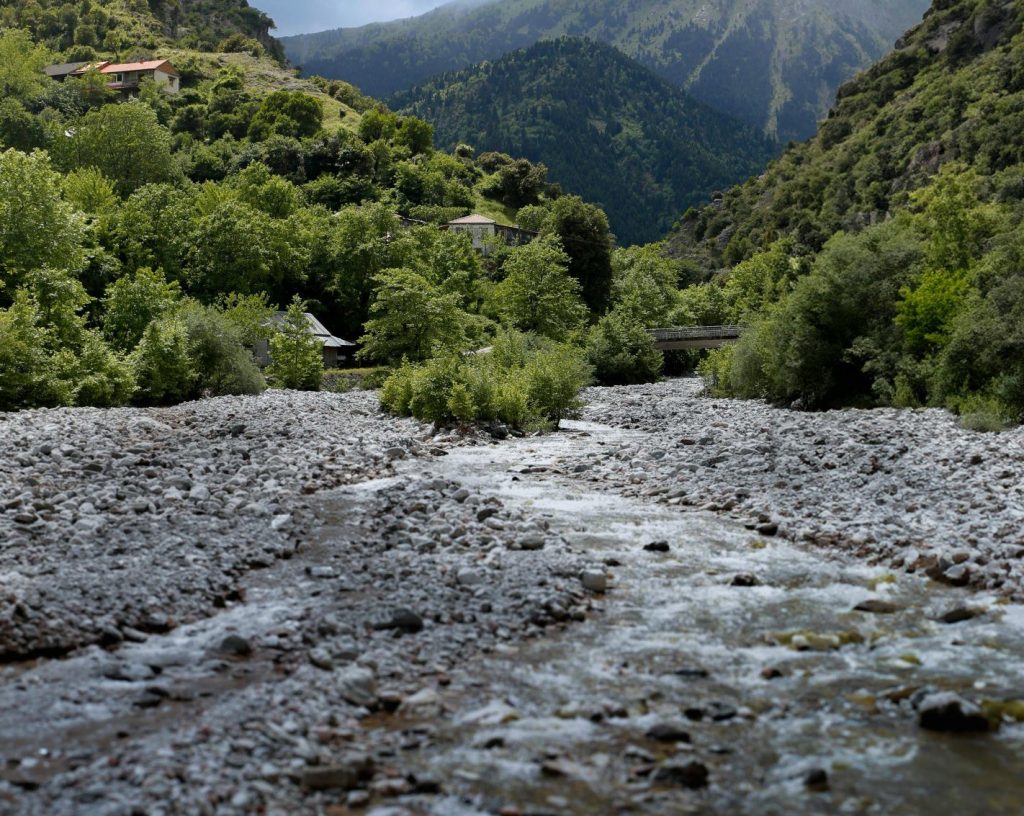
pixel 148 65
pixel 474 219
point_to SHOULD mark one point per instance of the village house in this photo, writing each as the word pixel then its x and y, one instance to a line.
pixel 482 230
pixel 123 77
pixel 336 350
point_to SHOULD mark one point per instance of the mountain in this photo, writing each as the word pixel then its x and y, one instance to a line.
pixel 606 127
pixel 775 64
pixel 952 91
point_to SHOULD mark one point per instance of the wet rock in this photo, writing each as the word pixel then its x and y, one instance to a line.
pixel 959 614
pixel 403 620
pixel 745 579
pixel 691 673
pixel 816 780
pixel 558 768
pixel 235 646
pixel 668 732
pixel 771 673
pixel 657 546
pixel 594 580
pixel 128 672
pixel 358 685
pixel 768 528
pixel 26 518
pixel 693 774
pixel 947 712
pixel 878 606
pixel 351 773
pixel 425 703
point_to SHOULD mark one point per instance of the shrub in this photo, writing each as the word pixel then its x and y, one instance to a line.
pixel 523 381
pixel 163 368
pixel 622 352
pixel 223 364
pixel 297 357
pixel 555 375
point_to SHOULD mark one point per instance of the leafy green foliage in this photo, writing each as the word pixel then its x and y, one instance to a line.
pixel 538 295
pixel 522 381
pixel 133 302
pixel 411 318
pixel 296 356
pixel 126 143
pixel 37 227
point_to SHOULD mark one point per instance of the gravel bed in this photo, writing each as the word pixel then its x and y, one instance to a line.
pixel 909 488
pixel 125 521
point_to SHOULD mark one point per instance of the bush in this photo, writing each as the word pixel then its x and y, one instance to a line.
pixel 224 365
pixel 297 357
pixel 524 381
pixel 163 368
pixel 622 352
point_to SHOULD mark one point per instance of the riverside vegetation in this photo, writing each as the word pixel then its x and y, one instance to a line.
pixel 145 244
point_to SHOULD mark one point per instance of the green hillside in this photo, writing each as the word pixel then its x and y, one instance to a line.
pixel 883 261
pixel 605 126
pixel 774 64
pixel 176 219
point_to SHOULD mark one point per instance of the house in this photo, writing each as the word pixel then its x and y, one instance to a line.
pixel 123 77
pixel 336 350
pixel 482 230
pixel 63 70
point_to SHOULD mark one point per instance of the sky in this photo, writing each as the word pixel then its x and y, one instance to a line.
pixel 304 16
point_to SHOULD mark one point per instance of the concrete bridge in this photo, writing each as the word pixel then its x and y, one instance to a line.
pixel 694 337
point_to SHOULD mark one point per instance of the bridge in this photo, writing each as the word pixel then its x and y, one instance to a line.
pixel 694 337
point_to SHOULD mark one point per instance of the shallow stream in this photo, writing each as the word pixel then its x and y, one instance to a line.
pixel 774 683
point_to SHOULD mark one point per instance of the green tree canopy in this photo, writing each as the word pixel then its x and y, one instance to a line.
pixel 411 318
pixel 37 227
pixel 538 294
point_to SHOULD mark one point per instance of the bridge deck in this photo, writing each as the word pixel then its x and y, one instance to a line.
pixel 694 337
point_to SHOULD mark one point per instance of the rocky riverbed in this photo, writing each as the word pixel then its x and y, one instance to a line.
pixel 911 489
pixel 292 603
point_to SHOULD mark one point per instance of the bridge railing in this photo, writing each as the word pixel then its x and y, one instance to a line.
pixel 695 333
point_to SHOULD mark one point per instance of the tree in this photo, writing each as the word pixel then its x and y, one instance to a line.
pixel 37 227
pixel 416 135
pixel 161 362
pixel 124 142
pixel 239 249
pixel 25 363
pixel 21 66
pixel 134 301
pixel 538 295
pixel 411 318
pixel 90 191
pixel 287 113
pixel 584 232
pixel 296 356
pixel 622 351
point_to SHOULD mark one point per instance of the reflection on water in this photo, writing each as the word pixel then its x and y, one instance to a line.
pixel 772 682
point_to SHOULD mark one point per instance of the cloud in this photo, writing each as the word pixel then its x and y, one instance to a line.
pixel 303 16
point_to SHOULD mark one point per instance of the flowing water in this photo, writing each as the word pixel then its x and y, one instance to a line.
pixel 772 681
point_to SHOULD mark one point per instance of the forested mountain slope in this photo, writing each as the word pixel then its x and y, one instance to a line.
pixel 126 28
pixel 605 126
pixel 952 91
pixel 883 261
pixel 775 64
